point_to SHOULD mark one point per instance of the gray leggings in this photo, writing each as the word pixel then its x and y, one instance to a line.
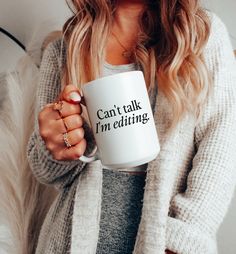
pixel 122 197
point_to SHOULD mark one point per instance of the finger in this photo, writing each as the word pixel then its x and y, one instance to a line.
pixel 69 109
pixel 72 153
pixel 75 136
pixel 48 113
pixel 57 138
pixel 70 94
pixel 72 122
pixel 60 126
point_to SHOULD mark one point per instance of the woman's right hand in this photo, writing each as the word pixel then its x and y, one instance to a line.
pixel 53 123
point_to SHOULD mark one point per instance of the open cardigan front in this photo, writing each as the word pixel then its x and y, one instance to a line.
pixel 189 185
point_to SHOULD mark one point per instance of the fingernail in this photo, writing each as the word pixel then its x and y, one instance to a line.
pixel 74 96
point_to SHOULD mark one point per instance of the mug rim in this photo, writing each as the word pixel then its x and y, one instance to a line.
pixel 109 76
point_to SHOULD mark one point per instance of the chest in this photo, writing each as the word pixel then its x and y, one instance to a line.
pixel 118 51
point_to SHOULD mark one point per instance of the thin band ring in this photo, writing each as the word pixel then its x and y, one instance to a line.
pixel 58 107
pixel 65 124
pixel 66 140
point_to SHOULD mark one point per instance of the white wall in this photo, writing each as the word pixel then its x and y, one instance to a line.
pixel 227 11
pixel 23 17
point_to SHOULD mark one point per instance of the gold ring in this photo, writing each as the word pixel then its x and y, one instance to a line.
pixel 64 122
pixel 66 140
pixel 58 107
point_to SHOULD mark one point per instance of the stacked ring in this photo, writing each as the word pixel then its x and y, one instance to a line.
pixel 66 140
pixel 65 135
pixel 58 107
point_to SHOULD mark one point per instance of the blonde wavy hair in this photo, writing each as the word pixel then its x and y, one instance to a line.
pixel 169 50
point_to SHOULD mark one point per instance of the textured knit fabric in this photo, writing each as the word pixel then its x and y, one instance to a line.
pixel 122 196
pixel 188 187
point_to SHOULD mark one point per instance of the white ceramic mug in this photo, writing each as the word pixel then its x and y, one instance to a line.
pixel 122 121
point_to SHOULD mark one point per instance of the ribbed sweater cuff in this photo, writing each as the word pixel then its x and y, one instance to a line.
pixel 45 155
pixel 182 238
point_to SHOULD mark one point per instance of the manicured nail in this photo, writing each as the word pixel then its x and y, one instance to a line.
pixel 74 96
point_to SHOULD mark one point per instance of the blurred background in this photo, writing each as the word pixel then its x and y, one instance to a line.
pixel 30 19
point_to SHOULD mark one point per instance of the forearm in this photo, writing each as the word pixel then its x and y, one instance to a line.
pixel 45 168
pixel 50 171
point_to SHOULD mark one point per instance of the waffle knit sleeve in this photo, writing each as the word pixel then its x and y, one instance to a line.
pixel 46 169
pixel 200 209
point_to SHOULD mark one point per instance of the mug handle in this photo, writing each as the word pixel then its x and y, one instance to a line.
pixel 94 154
pixel 92 157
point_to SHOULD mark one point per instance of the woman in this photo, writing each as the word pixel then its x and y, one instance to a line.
pixel 175 203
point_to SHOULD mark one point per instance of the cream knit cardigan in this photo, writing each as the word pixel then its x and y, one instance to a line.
pixel 189 185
